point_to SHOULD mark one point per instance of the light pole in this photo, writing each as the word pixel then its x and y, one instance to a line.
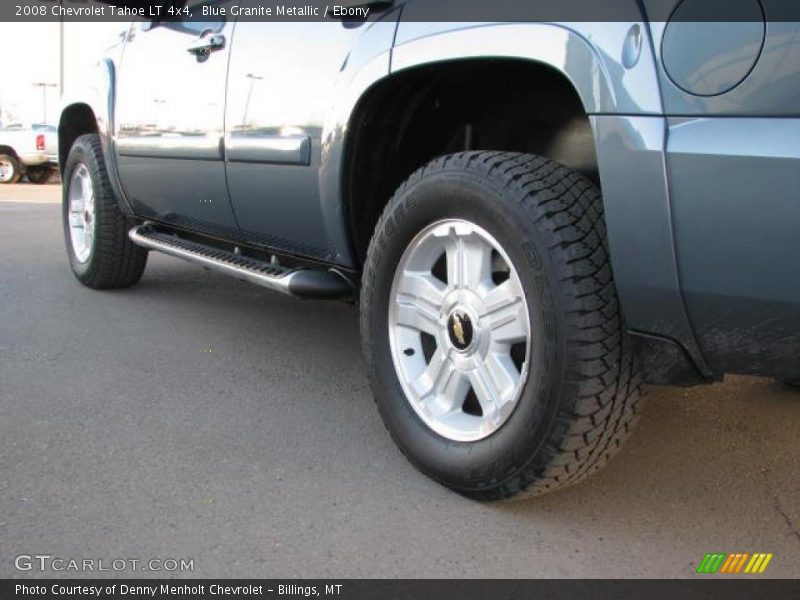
pixel 44 85
pixel 61 57
pixel 253 79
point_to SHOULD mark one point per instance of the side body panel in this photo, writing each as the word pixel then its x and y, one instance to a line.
pixel 366 65
pixel 170 122
pixel 736 202
pixel 633 169
pixel 742 68
pixel 732 95
pixel 281 88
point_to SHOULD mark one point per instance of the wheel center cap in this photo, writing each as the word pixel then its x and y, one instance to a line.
pixel 460 330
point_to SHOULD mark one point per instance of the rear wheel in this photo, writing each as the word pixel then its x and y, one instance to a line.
pixel 10 171
pixel 491 327
pixel 96 231
pixel 39 175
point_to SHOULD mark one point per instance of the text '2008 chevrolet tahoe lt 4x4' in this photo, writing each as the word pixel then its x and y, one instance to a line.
pixel 534 218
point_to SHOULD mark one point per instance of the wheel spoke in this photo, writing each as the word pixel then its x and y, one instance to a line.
pixel 89 237
pixel 495 381
pixel 90 199
pixel 503 372
pixel 419 298
pixel 486 390
pixel 75 220
pixel 441 388
pixel 416 316
pixel 423 287
pixel 469 262
pixel 77 205
pixel 453 393
pixel 506 316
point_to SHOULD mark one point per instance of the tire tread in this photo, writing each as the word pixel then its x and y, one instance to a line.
pixel 591 423
pixel 116 262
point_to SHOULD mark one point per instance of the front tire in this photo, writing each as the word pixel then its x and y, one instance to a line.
pixel 96 231
pixel 10 171
pixel 471 411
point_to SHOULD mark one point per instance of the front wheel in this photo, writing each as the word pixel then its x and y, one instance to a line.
pixel 491 327
pixel 96 231
pixel 10 171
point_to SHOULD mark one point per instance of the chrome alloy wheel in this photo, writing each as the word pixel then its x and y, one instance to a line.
pixel 6 170
pixel 81 213
pixel 459 330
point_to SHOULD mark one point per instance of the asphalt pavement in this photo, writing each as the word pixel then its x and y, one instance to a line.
pixel 198 417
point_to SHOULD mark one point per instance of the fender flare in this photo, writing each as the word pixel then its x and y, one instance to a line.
pixel 603 84
pixel 100 99
pixel 622 102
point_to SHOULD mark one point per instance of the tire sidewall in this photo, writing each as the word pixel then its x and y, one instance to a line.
pixel 469 466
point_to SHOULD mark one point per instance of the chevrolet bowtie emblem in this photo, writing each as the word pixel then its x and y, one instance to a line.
pixel 458 329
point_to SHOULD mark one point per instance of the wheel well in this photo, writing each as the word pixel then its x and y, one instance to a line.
pixel 76 120
pixel 9 151
pixel 483 104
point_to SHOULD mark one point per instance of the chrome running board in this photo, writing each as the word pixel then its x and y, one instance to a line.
pixel 304 283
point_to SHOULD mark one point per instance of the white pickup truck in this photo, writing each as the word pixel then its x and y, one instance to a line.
pixel 30 151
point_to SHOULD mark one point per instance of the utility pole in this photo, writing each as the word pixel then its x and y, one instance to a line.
pixel 44 85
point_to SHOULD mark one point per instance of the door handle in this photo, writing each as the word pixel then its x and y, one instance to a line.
pixel 205 46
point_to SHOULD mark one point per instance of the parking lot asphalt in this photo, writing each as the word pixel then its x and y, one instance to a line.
pixel 198 417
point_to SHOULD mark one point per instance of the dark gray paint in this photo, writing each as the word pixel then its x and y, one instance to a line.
pixel 736 211
pixel 630 153
pixel 158 189
pixel 283 82
pixel 274 207
pixel 170 124
pixel 710 58
pixel 770 88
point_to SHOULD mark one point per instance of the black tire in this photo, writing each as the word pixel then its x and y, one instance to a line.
pixel 39 175
pixel 115 261
pixel 15 169
pixel 795 383
pixel 582 395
